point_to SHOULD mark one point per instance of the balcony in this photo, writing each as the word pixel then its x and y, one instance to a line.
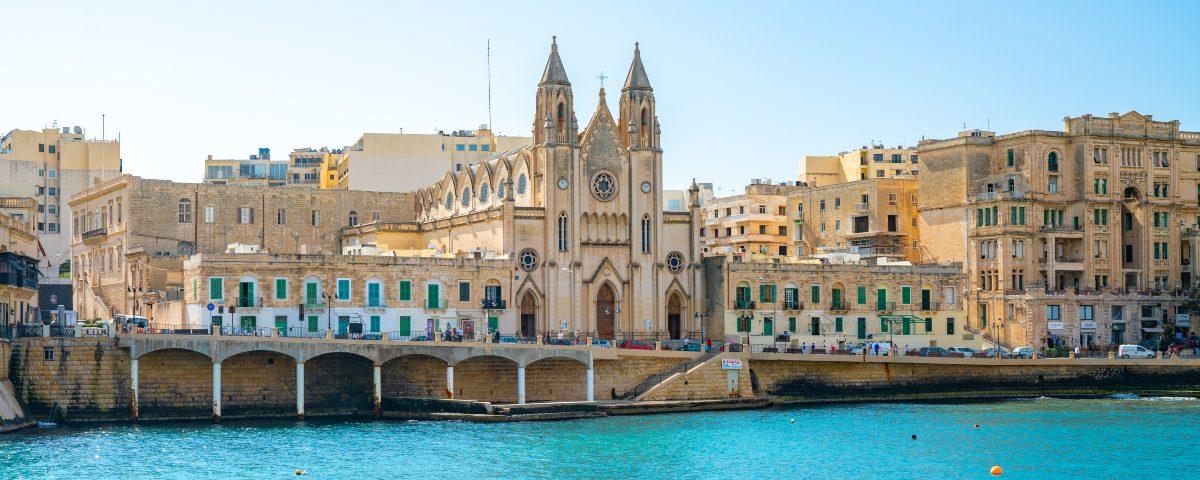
pixel 493 304
pixel 930 306
pixel 885 306
pixel 839 306
pixel 1063 263
pixel 861 207
pixel 95 235
pixel 375 302
pixel 436 304
pixel 314 303
pixel 249 302
pixel 792 305
pixel 744 305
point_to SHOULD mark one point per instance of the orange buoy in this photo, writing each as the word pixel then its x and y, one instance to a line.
pixel 996 470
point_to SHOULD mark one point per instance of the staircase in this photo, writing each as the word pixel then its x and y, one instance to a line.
pixel 658 378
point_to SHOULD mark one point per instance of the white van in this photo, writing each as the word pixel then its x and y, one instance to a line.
pixel 1134 351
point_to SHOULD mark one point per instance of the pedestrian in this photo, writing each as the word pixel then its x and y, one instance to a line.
pixel 1077 351
pixel 686 342
pixel 876 349
pixel 708 345
pixel 812 348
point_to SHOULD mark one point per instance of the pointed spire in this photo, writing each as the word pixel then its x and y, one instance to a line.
pixel 637 79
pixel 554 72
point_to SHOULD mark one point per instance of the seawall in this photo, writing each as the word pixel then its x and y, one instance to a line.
pixel 828 378
pixel 12 413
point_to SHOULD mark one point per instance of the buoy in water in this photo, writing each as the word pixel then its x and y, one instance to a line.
pixel 914 437
pixel 996 470
pixel 976 425
pixel 793 420
pixel 299 472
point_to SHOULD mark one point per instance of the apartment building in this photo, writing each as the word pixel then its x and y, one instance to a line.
pixel 753 223
pixel 812 301
pixel 18 265
pixel 133 233
pixel 256 171
pixel 1085 236
pixel 305 166
pixel 876 217
pixel 875 161
pixel 405 162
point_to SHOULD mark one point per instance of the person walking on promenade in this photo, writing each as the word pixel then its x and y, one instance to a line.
pixel 708 345
pixel 876 349
pixel 1077 351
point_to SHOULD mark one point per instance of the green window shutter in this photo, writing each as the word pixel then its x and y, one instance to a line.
pixel 837 324
pixel 405 326
pixel 862 328
pixel 343 289
pixel 836 296
pixel 375 323
pixel 281 324
pixel 280 288
pixel 1021 215
pixel 1012 215
pixel 493 324
pixel 925 299
pixel 791 324
pixel 881 298
pixel 431 296
pixel 215 288
pixel 816 294
pixel 906 294
pixel 768 327
pixel 862 295
pixel 312 323
pixel 405 291
pixel 978 217
pixel 310 291
pixel 883 325
pixel 773 297
pixel 373 294
pixel 928 325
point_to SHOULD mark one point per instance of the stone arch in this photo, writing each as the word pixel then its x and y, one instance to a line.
pixel 258 381
pixel 141 349
pixel 413 374
pixel 491 377
pixel 675 313
pixel 606 304
pixel 338 382
pixel 555 378
pixel 528 307
pixel 173 383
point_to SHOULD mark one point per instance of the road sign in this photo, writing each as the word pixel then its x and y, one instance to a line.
pixel 211 307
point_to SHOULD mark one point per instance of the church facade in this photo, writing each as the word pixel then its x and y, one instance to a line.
pixel 571 230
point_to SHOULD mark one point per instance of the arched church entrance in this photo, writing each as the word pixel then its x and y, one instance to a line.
pixel 674 314
pixel 528 316
pixel 605 312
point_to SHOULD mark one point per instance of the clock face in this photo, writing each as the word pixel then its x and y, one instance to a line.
pixel 563 183
pixel 646 187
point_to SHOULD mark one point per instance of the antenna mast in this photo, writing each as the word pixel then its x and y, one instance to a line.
pixel 489 78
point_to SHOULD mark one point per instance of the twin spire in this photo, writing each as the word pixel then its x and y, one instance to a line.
pixel 636 79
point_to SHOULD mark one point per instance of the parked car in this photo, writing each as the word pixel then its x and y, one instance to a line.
pixel 992 352
pixel 637 345
pixel 1180 347
pixel 1134 351
pixel 967 352
pixel 1151 345
pixel 1022 352
pixel 933 352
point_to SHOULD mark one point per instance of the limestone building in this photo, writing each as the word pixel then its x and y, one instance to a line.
pixel 18 267
pixel 751 224
pixel 405 162
pixel 256 171
pixel 1085 236
pixel 875 161
pixel 876 217
pixel 132 233
pixel 818 302
pixel 53 164
pixel 305 165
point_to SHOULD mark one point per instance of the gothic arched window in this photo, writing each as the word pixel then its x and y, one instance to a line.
pixel 500 190
pixel 353 218
pixel 449 200
pixel 562 118
pixel 466 197
pixel 1052 162
pixel 521 184
pixel 562 232
pixel 646 234
pixel 483 193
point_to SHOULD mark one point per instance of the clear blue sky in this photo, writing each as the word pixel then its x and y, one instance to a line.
pixel 744 90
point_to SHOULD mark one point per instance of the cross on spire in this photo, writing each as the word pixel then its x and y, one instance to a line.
pixel 602 78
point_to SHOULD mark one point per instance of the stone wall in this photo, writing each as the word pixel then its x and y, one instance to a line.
pixel 337 383
pixel 175 384
pixel 414 376
pixel 706 381
pixel 71 378
pixel 852 379
pixel 615 377
pixel 5 351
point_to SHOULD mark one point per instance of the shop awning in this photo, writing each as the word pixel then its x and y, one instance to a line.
pixel 1153 330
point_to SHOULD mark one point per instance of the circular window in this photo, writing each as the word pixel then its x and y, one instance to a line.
pixel 604 186
pixel 528 259
pixel 675 262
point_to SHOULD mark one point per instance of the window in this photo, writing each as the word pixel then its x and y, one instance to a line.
pixel 486 148
pixel 405 290
pixel 821 205
pixel 185 210
pixel 483 193
pixel 563 236
pixel 521 184
pixel 949 326
pixel 216 288
pixel 1011 158
pixel 905 295
pixel 460 147
pixel 281 288
pixel 877 157
pixel 862 295
pixel 245 215
pixel 1053 312
pixel 464 291
pixel 815 294
pixel 646 234
pixel 1052 162
pixel 472 147
pixel 210 214
pixel 432 297
pixel 343 289
pixel 281 217
pixel 353 220
pixel 1086 312
pixel 766 293
pixel 315 218
pixel 465 198
pixel 1052 187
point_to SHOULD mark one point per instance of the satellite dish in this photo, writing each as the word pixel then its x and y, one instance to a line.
pixel 78 130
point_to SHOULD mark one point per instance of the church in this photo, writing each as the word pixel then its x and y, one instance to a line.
pixel 568 234
pixel 580 214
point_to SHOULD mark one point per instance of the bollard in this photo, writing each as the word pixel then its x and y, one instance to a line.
pixel 274 332
pixel 1112 355
pixel 1035 355
pixel 588 341
pixel 328 334
pixel 1071 355
pixel 1158 355
pixel 658 345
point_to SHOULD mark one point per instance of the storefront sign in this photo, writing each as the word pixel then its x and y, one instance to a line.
pixel 1054 325
pixel 1183 320
pixel 731 363
pixel 1087 325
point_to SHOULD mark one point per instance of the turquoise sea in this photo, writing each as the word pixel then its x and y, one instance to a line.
pixel 1042 438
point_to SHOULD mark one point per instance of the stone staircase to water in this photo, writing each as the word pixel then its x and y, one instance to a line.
pixel 658 378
